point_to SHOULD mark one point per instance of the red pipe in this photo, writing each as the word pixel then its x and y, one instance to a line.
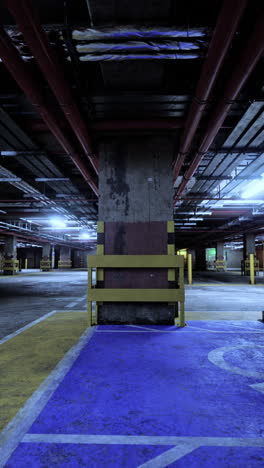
pixel 223 34
pixel 158 124
pixel 21 74
pixel 25 237
pixel 30 26
pixel 252 53
pixel 120 125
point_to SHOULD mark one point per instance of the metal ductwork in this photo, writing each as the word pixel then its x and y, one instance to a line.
pixel 136 32
pixel 38 42
pixel 139 43
pixel 129 56
pixel 252 53
pixel 27 83
pixel 225 29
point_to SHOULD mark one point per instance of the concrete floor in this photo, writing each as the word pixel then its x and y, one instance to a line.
pixel 28 296
pixel 213 296
pixel 222 312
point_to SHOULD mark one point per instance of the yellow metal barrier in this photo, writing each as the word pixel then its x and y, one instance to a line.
pixel 189 265
pixel 251 268
pixel 220 265
pixel 245 266
pixel 45 265
pixel 11 266
pixel 64 264
pixel 98 294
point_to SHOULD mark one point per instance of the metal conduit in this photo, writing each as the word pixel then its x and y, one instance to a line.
pixel 37 40
pixel 246 64
pixel 225 28
pixel 26 81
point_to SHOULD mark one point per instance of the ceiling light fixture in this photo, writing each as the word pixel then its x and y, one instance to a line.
pixel 57 222
pixel 255 187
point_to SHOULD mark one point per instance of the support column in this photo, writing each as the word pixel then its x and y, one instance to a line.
pixel 200 259
pixel 10 266
pixel 65 258
pixel 220 251
pixel 79 259
pixel 135 204
pixel 45 263
pixel 249 247
pixel 220 264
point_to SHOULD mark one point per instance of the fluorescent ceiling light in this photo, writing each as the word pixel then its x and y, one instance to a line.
pixel 203 213
pixel 255 187
pixel 84 235
pixel 10 179
pixel 50 179
pixel 8 153
pixel 57 222
pixel 185 224
pixel 195 219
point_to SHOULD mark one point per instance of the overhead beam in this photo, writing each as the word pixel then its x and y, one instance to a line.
pixel 245 65
pixel 22 75
pixel 29 24
pixel 225 29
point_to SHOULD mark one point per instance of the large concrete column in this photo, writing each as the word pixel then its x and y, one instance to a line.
pixel 65 257
pixel 136 193
pixel 79 259
pixel 220 250
pixel 249 244
pixel 10 255
pixel 200 259
pixel 45 263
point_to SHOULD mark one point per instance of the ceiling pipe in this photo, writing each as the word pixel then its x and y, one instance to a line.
pixel 37 40
pixel 225 29
pixel 39 238
pixel 251 54
pixel 21 74
pixel 123 125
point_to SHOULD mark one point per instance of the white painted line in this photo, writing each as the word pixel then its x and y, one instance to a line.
pixel 166 458
pixel 143 328
pixel 13 433
pixel 26 327
pixel 216 357
pixel 74 303
pixel 258 386
pixel 71 304
pixel 143 440
pixel 186 329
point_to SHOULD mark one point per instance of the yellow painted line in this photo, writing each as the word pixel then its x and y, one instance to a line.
pixel 28 358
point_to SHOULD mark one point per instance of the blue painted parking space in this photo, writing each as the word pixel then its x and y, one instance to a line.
pixel 156 396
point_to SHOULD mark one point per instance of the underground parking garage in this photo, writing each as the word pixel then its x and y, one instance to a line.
pixel 131 234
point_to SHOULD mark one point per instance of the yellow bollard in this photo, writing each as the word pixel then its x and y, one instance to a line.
pixel 26 263
pixel 189 265
pixel 251 267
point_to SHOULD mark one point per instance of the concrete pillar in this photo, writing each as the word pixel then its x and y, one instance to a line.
pixel 220 251
pixel 45 263
pixel 79 259
pixel 136 193
pixel 200 259
pixel 249 244
pixel 10 255
pixel 65 258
